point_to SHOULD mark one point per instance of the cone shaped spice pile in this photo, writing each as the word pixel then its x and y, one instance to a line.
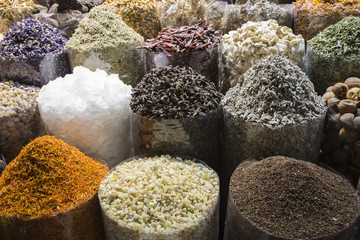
pixel 48 177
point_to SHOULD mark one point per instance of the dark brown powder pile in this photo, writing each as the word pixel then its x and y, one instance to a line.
pixel 293 199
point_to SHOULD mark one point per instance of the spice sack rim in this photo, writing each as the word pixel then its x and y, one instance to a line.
pixel 277 237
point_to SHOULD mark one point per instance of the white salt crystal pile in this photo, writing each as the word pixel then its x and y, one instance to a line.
pixel 89 110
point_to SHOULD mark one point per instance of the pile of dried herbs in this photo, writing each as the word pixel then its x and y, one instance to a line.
pixel 313 16
pixel 104 41
pixel 141 15
pixel 12 11
pixel 334 54
pixel 48 177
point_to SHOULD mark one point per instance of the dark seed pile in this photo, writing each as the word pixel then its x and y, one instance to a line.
pixel 174 92
pixel 293 199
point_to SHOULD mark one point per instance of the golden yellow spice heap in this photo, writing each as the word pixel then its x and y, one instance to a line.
pixel 12 11
pixel 48 177
pixel 313 16
pixel 141 15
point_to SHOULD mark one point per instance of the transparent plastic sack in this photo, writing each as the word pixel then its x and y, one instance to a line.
pixel 197 136
pixel 174 14
pixel 239 226
pixel 255 10
pixel 36 72
pixel 215 14
pixel 204 62
pixel 83 222
pixel 125 60
pixel 205 229
pixel 92 113
pixel 310 19
pixel 244 140
pixel 326 71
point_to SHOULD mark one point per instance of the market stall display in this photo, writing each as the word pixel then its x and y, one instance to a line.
pixel 19 118
pixel 195 46
pixel 284 198
pixel 33 52
pixel 313 16
pixel 141 15
pixel 255 11
pixel 274 98
pixel 341 149
pixel 104 41
pixel 333 55
pixel 89 110
pixel 12 11
pixel 160 198
pixel 50 189
pixel 254 41
pixel 177 111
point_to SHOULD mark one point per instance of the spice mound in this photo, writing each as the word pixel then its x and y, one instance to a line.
pixel 101 28
pixel 160 195
pixel 313 16
pixel 184 39
pixel 141 15
pixel 275 92
pixel 31 39
pixel 255 40
pixel 19 117
pixel 293 199
pixel 174 92
pixel 339 40
pixel 12 11
pixel 48 177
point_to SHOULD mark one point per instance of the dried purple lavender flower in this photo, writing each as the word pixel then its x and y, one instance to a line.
pixel 31 39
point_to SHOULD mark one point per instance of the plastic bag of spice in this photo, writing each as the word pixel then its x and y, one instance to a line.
pixel 60 202
pixel 33 53
pixel 181 13
pixel 188 191
pixel 255 10
pixel 195 46
pixel 89 110
pixel 313 16
pixel 103 41
pixel 215 14
pixel 281 214
pixel 19 117
pixel 197 136
pixel 13 11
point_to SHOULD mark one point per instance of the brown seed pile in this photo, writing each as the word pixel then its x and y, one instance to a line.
pixel 292 198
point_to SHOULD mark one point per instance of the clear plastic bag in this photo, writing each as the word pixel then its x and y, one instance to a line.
pixel 326 71
pixel 125 60
pixel 83 222
pixel 239 226
pixel 244 140
pixel 36 72
pixel 206 228
pixel 310 19
pixel 237 14
pixel 197 136
pixel 205 62
pixel 174 14
pixel 215 14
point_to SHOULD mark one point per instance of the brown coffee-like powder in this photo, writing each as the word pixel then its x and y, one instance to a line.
pixel 292 198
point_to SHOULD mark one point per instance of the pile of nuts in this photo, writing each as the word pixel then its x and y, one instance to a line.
pixel 341 148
